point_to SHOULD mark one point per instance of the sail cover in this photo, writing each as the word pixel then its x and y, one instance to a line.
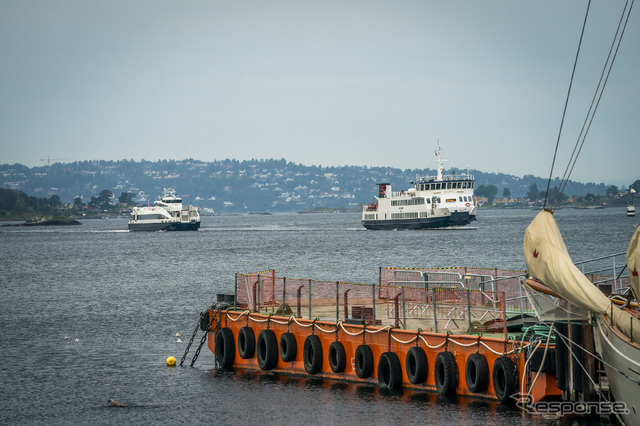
pixel 548 261
pixel 633 262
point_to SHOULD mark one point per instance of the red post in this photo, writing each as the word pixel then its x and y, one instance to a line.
pixel 346 303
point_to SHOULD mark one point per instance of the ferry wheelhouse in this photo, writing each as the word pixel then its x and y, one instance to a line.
pixel 433 202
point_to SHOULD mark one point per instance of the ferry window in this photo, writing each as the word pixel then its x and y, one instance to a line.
pixel 471 183
pixel 437 186
pixel 439 200
pixel 459 184
pixel 448 185
pixel 460 198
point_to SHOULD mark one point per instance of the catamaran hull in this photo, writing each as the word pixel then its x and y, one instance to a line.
pixel 150 227
pixel 622 364
pixel 184 226
pixel 439 222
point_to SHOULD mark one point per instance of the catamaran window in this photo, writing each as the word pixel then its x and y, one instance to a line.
pixel 150 217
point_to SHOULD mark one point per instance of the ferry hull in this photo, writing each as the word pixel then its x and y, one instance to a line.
pixel 440 222
pixel 461 218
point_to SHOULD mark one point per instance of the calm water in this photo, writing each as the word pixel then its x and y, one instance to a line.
pixel 124 296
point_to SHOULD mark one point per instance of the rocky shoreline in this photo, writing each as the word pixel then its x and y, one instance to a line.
pixel 47 221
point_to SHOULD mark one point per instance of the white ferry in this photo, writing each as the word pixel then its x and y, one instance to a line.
pixel 167 214
pixel 433 202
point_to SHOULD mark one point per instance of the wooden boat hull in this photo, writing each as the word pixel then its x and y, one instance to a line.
pixel 622 366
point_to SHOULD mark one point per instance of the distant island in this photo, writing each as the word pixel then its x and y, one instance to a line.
pixel 330 210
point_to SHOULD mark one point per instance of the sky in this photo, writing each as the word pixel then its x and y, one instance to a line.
pixel 330 83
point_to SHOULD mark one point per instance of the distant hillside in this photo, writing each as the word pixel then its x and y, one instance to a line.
pixel 232 186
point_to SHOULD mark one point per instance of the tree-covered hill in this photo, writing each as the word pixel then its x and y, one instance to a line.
pixel 231 186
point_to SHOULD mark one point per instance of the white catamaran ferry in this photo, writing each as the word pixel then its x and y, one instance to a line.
pixel 167 214
pixel 433 202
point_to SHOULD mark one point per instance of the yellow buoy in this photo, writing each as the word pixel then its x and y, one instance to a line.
pixel 171 361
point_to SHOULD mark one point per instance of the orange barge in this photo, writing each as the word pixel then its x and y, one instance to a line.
pixel 250 333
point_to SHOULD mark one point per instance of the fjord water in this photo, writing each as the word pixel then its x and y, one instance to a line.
pixel 124 296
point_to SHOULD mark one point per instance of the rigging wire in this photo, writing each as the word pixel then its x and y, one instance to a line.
pixel 608 66
pixel 566 103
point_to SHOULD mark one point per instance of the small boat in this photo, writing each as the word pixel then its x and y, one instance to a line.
pixel 433 202
pixel 631 209
pixel 167 214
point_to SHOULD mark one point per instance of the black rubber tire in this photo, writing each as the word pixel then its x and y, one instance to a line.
pixel 204 321
pixel 389 371
pixel 288 347
pixel 267 350
pixel 246 343
pixel 312 354
pixel 505 379
pixel 225 348
pixel 337 357
pixel 364 361
pixel 417 365
pixel 476 373
pixel 446 373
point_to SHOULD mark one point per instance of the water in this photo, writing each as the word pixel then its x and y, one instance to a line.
pixel 124 296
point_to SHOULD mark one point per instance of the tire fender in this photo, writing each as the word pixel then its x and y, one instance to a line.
pixel 446 373
pixel 267 350
pixel 225 348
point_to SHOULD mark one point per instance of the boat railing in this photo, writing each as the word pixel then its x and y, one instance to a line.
pixel 446 306
pixel 606 272
pixel 430 179
pixel 475 303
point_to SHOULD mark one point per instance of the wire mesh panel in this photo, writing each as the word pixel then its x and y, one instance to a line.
pixel 255 289
pixel 447 308
pixel 475 300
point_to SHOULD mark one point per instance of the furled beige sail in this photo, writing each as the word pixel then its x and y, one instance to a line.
pixel 633 262
pixel 548 261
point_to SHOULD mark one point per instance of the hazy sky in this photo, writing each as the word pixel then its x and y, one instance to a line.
pixel 374 83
